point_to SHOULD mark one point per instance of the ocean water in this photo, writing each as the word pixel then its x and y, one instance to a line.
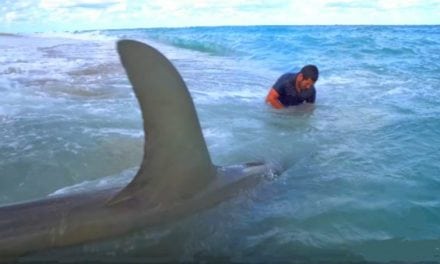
pixel 361 168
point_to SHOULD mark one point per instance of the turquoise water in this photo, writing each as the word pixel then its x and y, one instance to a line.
pixel 361 168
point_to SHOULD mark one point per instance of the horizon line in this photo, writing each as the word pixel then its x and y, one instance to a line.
pixel 222 26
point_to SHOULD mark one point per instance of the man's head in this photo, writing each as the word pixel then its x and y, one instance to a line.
pixel 307 77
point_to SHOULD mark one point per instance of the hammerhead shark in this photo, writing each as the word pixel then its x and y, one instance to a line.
pixel 176 177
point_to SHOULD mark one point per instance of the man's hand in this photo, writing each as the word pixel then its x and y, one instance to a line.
pixel 272 99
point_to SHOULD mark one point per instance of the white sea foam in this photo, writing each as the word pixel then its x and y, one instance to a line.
pixel 211 96
pixel 84 35
pixel 132 133
pixel 111 181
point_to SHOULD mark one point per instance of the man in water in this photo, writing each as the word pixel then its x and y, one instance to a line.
pixel 294 88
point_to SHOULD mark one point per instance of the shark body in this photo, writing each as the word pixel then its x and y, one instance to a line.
pixel 176 177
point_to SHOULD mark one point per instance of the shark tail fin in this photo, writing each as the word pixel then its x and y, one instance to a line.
pixel 176 162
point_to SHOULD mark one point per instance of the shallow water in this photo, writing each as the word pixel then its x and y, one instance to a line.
pixel 362 170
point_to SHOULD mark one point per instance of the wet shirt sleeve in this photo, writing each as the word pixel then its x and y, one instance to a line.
pixel 280 84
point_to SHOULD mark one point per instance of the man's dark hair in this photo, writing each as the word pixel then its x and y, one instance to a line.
pixel 310 72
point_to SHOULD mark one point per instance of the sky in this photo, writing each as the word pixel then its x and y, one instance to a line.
pixel 26 16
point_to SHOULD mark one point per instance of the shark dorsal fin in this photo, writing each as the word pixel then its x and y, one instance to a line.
pixel 176 162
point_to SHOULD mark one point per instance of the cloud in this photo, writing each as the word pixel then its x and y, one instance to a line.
pixel 49 15
pixel 15 11
pixel 10 16
pixel 17 5
pixel 351 4
pixel 381 5
pixel 396 4
pixel 87 4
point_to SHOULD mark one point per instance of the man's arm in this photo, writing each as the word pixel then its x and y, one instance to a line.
pixel 272 99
